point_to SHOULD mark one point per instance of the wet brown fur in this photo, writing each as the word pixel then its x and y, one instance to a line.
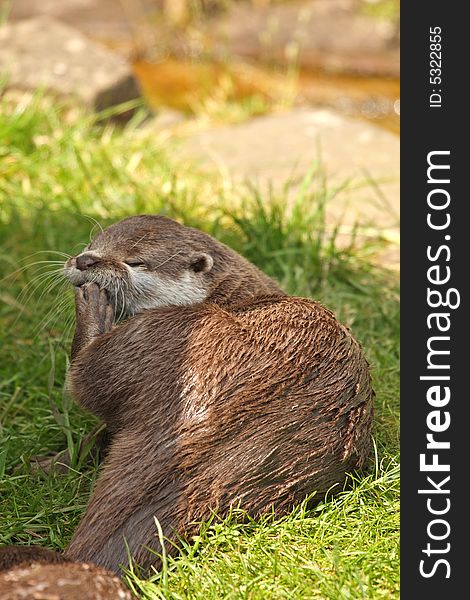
pixel 254 401
pixel 14 556
pixel 68 581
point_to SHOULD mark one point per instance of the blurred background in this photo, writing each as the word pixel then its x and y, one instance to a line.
pixel 194 54
pixel 248 89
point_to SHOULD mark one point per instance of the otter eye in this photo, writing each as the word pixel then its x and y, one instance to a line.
pixel 135 263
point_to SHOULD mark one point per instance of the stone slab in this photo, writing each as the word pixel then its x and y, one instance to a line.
pixel 271 149
pixel 44 53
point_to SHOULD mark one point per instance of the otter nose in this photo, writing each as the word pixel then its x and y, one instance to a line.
pixel 84 261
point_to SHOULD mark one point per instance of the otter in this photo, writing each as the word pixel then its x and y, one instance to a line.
pixel 32 572
pixel 217 389
pixel 15 556
pixel 151 261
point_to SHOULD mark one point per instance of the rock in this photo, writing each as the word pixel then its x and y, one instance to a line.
pixel 46 54
pixel 331 35
pixel 273 148
pixel 104 20
pixel 123 25
pixel 67 581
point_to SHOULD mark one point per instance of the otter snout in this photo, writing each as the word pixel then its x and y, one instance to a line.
pixel 84 261
pixel 75 268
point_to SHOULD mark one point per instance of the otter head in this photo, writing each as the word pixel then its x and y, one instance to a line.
pixel 146 262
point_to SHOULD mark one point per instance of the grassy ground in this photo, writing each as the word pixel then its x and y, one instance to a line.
pixel 57 175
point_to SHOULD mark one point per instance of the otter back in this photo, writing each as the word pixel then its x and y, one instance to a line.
pixel 209 408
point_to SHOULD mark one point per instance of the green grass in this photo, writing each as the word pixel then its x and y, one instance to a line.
pixel 383 9
pixel 58 173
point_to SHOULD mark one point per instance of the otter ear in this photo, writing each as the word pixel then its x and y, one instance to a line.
pixel 201 262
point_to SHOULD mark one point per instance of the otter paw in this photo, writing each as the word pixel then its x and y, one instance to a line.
pixel 95 313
